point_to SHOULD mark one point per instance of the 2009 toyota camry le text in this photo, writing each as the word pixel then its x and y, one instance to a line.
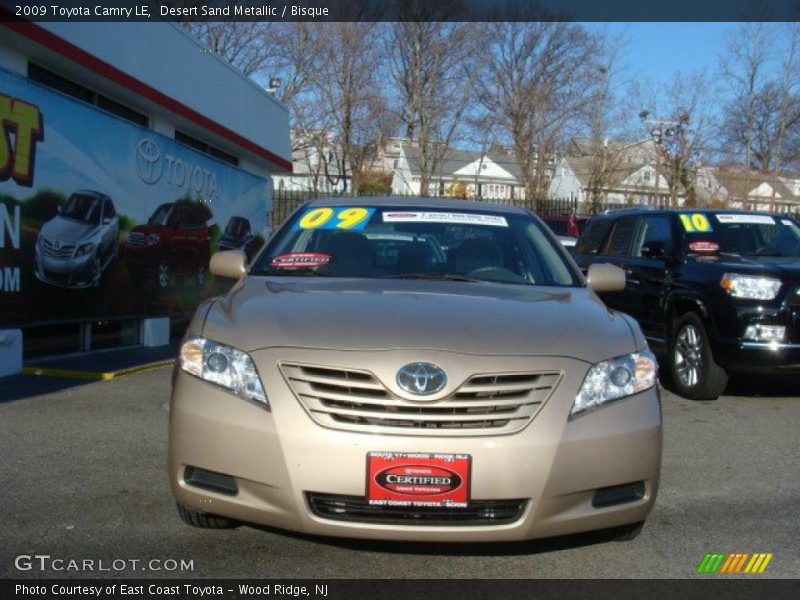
pixel 432 370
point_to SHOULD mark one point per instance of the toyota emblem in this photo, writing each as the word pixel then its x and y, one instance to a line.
pixel 421 379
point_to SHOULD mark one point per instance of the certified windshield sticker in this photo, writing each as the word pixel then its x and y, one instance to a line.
pixel 753 219
pixel 443 217
pixel 352 218
pixel 298 260
pixel 696 222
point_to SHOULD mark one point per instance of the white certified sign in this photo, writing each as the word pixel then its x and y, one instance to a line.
pixel 756 219
pixel 397 216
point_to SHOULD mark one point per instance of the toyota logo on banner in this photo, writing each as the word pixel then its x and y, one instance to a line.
pixel 148 161
pixel 421 379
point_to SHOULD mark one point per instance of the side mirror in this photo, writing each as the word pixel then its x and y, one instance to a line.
pixel 603 277
pixel 228 263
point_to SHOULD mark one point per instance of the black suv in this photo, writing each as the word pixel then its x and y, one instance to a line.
pixel 718 290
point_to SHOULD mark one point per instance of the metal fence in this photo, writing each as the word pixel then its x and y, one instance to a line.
pixel 285 202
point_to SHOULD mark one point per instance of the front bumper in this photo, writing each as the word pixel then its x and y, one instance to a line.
pixel 737 354
pixel 277 457
pixel 64 272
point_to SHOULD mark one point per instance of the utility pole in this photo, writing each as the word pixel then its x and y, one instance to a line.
pixel 662 130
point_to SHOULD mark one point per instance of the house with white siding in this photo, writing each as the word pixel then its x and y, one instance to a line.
pixel 461 173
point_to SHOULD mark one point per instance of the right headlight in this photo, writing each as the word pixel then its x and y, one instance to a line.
pixel 224 366
pixel 616 378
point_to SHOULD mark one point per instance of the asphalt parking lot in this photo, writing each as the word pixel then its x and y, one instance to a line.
pixel 83 476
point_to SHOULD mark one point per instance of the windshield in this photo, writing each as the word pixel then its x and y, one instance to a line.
pixel 83 208
pixel 744 234
pixel 416 243
pixel 161 216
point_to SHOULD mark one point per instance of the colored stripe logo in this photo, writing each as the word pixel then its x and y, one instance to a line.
pixel 734 562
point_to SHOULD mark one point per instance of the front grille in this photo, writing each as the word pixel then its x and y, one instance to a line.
pixel 355 400
pixel 357 509
pixel 136 238
pixel 57 250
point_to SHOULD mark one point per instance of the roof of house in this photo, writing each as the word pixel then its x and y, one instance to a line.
pixel 740 184
pixel 455 160
pixel 585 166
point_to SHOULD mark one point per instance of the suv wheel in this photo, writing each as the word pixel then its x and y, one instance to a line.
pixel 694 373
pixel 204 520
pixel 164 275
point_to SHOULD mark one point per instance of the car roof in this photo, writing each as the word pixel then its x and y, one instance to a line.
pixel 416 203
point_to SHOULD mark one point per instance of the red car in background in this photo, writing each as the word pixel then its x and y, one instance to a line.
pixel 175 240
pixel 570 225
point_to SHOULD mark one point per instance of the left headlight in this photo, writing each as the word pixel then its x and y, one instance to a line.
pixel 616 378
pixel 224 366
pixel 84 249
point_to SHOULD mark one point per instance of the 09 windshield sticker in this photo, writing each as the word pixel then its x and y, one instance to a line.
pixel 299 260
pixel 443 217
pixel 752 219
pixel 351 218
pixel 696 223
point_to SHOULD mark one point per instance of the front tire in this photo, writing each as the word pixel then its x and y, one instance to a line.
pixel 694 373
pixel 627 533
pixel 204 520
pixel 164 275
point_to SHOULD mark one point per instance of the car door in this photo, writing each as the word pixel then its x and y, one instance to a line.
pixel 180 242
pixel 651 256
pixel 616 251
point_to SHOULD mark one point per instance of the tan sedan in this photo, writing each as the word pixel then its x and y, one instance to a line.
pixel 415 370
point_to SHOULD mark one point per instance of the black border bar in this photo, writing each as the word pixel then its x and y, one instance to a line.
pixel 400 10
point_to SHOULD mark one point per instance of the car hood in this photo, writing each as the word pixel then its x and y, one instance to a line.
pixel 146 228
pixel 775 265
pixel 471 318
pixel 66 231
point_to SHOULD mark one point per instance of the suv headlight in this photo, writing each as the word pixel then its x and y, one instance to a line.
pixel 616 378
pixel 752 288
pixel 84 249
pixel 224 366
pixel 152 239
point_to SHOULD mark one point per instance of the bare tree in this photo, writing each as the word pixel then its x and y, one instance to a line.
pixel 430 67
pixel 605 119
pixel 347 93
pixel 687 108
pixel 744 67
pixel 246 46
pixel 532 82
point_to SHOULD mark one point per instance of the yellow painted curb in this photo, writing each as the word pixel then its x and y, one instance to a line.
pixel 94 375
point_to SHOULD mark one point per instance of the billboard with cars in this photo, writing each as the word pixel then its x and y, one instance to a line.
pixel 100 217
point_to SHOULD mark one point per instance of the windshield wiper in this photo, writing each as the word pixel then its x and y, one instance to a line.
pixel 771 253
pixel 435 277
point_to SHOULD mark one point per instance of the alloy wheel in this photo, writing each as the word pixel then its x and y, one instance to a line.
pixel 163 274
pixel 689 356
